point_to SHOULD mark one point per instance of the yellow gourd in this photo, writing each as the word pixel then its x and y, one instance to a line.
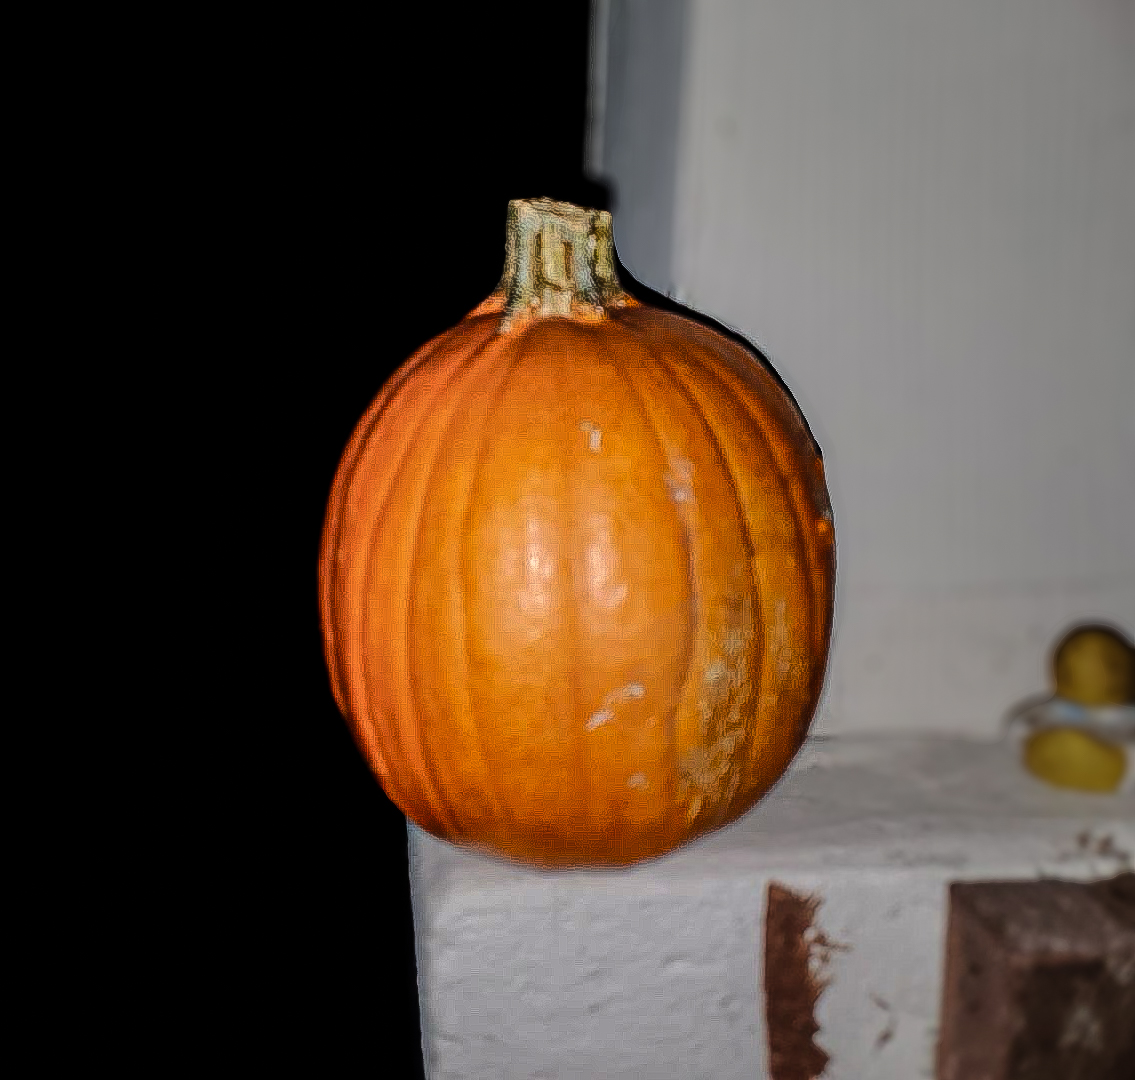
pixel 1071 758
pixel 1093 669
pixel 1095 666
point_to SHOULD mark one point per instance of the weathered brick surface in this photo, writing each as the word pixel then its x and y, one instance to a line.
pixel 662 971
pixel 1040 981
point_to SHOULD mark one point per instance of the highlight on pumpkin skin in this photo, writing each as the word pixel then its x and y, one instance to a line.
pixel 577 568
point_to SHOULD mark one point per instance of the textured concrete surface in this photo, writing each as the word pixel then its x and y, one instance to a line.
pixel 654 972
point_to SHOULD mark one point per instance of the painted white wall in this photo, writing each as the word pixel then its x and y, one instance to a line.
pixel 924 214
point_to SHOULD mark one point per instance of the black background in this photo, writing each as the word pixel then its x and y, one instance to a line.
pixel 342 185
pixel 351 183
pixel 246 226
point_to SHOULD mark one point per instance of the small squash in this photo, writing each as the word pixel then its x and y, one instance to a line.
pixel 577 567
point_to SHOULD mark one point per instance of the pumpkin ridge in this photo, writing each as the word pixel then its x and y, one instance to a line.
pixel 753 406
pixel 485 773
pixel 714 372
pixel 477 465
pixel 800 529
pixel 341 482
pixel 571 618
pixel 340 485
pixel 821 562
pixel 396 750
pixel 437 452
pixel 700 412
pixel 527 336
pixel 786 414
pixel 592 345
pixel 498 798
pixel 696 597
pixel 344 644
pixel 669 721
pixel 779 401
pixel 814 557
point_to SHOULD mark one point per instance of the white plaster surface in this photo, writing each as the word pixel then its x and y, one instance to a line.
pixel 924 213
pixel 654 972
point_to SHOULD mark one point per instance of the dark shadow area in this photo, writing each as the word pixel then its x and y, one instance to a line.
pixel 340 199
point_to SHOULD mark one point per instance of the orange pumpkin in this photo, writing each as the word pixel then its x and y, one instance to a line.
pixel 577 568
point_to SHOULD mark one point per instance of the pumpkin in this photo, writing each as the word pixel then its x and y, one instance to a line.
pixel 577 567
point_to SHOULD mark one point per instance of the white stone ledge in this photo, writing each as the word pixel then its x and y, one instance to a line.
pixel 654 972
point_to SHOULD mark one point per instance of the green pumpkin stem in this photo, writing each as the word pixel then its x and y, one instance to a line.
pixel 558 258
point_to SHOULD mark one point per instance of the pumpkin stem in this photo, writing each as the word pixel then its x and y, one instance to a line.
pixel 559 260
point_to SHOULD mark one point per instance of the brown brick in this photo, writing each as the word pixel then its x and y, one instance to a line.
pixel 1039 981
pixel 794 952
